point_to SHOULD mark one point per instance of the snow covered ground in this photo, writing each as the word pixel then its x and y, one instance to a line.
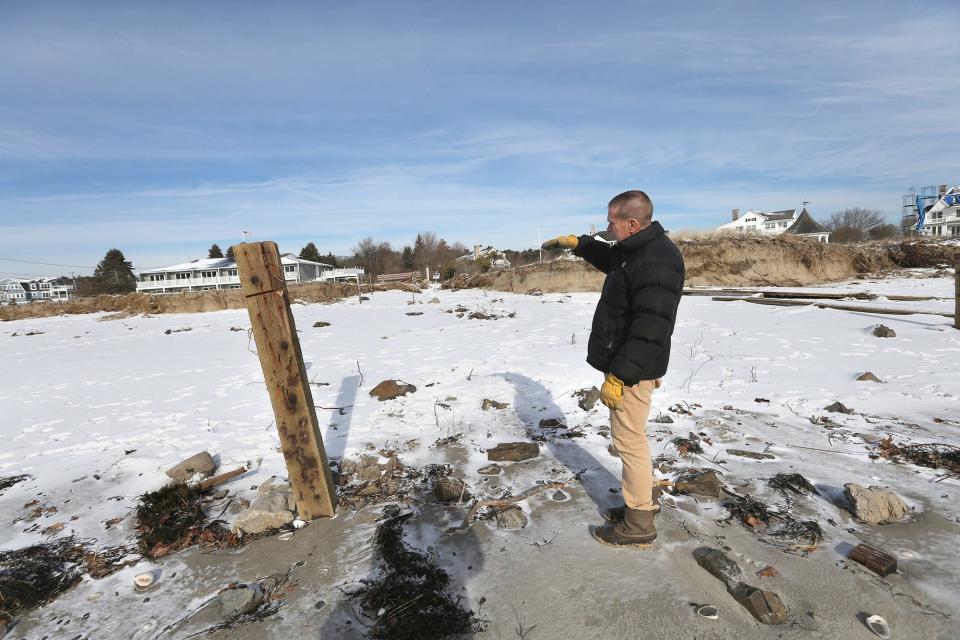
pixel 95 411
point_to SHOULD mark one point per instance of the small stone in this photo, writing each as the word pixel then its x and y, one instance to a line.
pixel 320 323
pixel 238 601
pixel 434 301
pixel 489 404
pixel 390 389
pixel 552 423
pixel 662 419
pixel 558 496
pixel 201 463
pixel 511 518
pixel 874 505
pixel 450 490
pixel 489 470
pixel 702 482
pixel 883 331
pixel 838 407
pixel 319 604
pixel 588 398
pixel 867 376
pixel 756 455
pixel 719 565
pixel 765 606
pixel 513 451
pixel 414 313
pixel 612 450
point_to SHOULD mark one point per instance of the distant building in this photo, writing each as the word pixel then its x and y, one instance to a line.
pixel 221 273
pixel 47 289
pixel 934 212
pixel 498 259
pixel 792 221
pixel 12 292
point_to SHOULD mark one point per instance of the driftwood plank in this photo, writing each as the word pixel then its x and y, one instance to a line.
pixel 877 560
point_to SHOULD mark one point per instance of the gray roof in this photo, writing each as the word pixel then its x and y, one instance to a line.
pixel 806 224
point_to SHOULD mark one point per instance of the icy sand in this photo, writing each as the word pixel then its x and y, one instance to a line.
pixel 95 411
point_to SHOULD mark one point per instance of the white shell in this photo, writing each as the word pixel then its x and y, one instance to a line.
pixel 299 524
pixel 879 626
pixel 708 611
pixel 143 580
pixel 286 535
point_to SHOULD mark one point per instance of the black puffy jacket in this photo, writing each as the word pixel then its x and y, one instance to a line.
pixel 634 320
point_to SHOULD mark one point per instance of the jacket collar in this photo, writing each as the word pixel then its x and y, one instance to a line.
pixel 637 240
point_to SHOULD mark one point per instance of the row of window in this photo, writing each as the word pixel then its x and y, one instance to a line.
pixel 186 275
pixel 952 230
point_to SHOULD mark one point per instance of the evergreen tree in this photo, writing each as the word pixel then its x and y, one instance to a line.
pixel 310 252
pixel 215 252
pixel 230 252
pixel 330 259
pixel 114 274
pixel 406 258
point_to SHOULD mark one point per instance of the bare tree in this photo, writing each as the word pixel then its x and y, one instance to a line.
pixel 853 225
pixel 372 256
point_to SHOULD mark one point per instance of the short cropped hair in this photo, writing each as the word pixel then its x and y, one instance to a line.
pixel 632 204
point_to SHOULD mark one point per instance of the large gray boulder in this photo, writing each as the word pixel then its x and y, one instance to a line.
pixel 273 508
pixel 874 505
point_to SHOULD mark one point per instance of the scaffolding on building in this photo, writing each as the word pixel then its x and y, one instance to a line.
pixel 915 207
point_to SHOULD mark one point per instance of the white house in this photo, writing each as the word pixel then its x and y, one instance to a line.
pixel 793 221
pixel 943 218
pixel 12 292
pixel 498 260
pixel 47 289
pixel 221 273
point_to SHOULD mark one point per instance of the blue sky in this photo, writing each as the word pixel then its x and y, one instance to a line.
pixel 160 128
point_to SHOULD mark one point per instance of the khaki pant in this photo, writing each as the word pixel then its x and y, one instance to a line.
pixel 629 431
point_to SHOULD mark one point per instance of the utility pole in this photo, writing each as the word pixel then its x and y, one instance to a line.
pixel 540 243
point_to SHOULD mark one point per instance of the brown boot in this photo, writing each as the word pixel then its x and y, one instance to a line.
pixel 615 514
pixel 636 530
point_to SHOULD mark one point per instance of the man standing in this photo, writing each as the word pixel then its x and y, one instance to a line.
pixel 630 343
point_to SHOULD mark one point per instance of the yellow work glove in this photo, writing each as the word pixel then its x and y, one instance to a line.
pixel 611 393
pixel 561 242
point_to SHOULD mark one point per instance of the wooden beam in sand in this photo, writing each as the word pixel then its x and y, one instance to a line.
pixel 265 289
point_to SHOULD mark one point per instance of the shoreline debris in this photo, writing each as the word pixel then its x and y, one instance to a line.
pixel 173 518
pixel 410 598
pixel 501 504
pixel 933 455
pixel 765 606
pixel 774 527
pixel 877 560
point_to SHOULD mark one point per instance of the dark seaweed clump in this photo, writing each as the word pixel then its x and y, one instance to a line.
pixel 931 455
pixel 35 575
pixel 411 590
pixel 9 481
pixel 173 518
pixel 773 526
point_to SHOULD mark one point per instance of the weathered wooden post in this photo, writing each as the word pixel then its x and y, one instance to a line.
pixel 261 276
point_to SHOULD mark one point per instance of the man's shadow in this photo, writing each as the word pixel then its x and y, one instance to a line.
pixel 534 402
